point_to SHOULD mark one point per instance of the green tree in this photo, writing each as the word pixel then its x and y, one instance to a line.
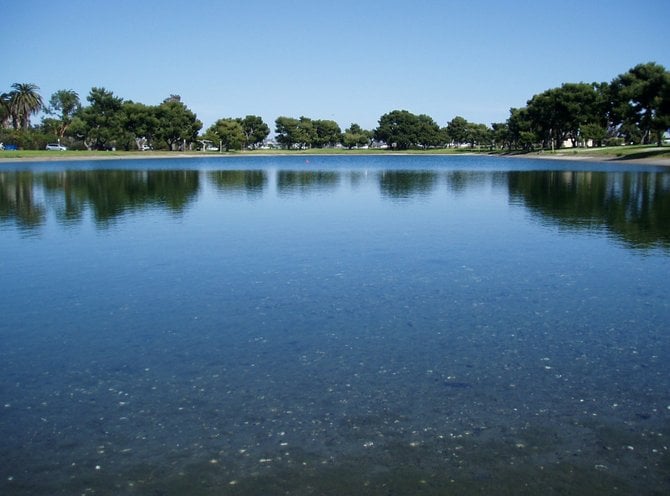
pixel 327 133
pixel 548 117
pixel 99 124
pixel 603 108
pixel 5 113
pixel 139 123
pixel 501 135
pixel 306 132
pixel 396 129
pixel 24 101
pixel 519 126
pixel 63 104
pixel 402 129
pixel 642 97
pixel 557 114
pixel 457 131
pixel 479 135
pixel 229 132
pixel 295 133
pixel 428 132
pixel 561 113
pixel 593 132
pixel 177 125
pixel 355 136
pixel 582 107
pixel 255 130
pixel 286 129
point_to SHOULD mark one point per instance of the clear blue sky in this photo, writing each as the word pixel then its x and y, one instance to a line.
pixel 346 60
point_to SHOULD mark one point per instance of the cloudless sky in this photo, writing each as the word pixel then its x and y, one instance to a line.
pixel 346 60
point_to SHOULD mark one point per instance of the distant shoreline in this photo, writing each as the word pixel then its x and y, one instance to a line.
pixel 106 156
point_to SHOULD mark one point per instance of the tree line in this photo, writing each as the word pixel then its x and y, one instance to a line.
pixel 633 108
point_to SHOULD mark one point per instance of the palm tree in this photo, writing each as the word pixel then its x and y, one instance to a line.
pixel 24 100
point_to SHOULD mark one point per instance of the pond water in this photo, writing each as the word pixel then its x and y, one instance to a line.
pixel 334 325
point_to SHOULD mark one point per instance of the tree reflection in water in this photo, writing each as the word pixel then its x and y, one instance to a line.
pixel 108 193
pixel 633 206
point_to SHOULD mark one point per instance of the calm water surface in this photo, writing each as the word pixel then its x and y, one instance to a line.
pixel 334 325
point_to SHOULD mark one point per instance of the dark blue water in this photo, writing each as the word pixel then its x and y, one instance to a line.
pixel 334 325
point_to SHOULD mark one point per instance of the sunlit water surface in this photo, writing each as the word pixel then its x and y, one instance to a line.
pixel 334 325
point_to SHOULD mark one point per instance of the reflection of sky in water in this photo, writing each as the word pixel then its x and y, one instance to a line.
pixel 274 329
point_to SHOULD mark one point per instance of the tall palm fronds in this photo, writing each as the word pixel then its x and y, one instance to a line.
pixel 24 100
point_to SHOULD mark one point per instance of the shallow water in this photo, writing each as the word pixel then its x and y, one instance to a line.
pixel 334 325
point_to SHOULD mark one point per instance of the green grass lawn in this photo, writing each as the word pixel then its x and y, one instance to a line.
pixel 84 154
pixel 69 154
pixel 629 152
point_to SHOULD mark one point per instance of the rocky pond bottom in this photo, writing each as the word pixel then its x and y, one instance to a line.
pixel 415 326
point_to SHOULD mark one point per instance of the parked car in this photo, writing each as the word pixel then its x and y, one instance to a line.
pixel 56 147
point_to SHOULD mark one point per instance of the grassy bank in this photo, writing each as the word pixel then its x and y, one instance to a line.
pixel 629 152
pixel 75 154
pixel 634 152
pixel 38 155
